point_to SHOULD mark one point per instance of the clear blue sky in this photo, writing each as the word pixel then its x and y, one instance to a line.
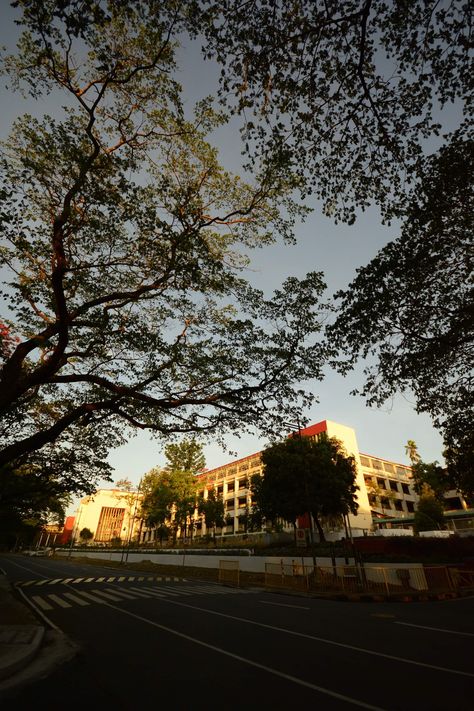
pixel 335 250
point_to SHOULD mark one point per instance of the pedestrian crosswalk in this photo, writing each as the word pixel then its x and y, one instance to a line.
pixel 101 579
pixel 117 593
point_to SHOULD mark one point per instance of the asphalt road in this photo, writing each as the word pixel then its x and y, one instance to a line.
pixel 184 644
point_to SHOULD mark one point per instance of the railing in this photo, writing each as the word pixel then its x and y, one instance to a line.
pixel 383 580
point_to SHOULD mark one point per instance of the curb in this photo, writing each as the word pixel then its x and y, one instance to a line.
pixel 21 644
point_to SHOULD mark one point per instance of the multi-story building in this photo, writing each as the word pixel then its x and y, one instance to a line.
pixel 385 494
pixel 110 514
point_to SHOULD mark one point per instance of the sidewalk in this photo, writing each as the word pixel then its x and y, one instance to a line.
pixel 21 635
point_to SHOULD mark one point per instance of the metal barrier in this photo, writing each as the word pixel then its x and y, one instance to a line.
pixel 390 581
pixel 229 572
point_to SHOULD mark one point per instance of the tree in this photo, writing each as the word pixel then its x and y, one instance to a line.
pixel 29 499
pixel 186 455
pixel 411 449
pixel 303 475
pixel 429 514
pixel 410 311
pixel 171 500
pixel 350 101
pixel 125 242
pixel 86 535
pixel 433 475
pixel 212 508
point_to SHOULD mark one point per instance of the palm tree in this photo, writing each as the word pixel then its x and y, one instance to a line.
pixel 412 452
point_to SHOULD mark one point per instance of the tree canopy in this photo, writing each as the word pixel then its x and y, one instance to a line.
pixel 303 475
pixel 429 515
pixel 125 245
pixel 29 498
pixel 410 311
pixel 213 510
pixel 345 92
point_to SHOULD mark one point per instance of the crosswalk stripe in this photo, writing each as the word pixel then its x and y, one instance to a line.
pixel 53 582
pixel 88 596
pixel 68 580
pixel 149 593
pixel 59 601
pixel 42 582
pixel 121 579
pixel 117 591
pixel 107 596
pixel 138 591
pixel 111 580
pixel 100 580
pixel 131 580
pixel 167 591
pixel 141 579
pixel 75 599
pixel 77 580
pixel 41 603
pixel 89 580
pixel 28 582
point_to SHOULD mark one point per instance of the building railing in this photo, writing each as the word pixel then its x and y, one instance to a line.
pixel 380 580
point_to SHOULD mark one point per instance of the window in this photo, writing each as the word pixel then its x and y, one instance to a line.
pixel 230 486
pixel 453 503
pixel 364 461
pixel 410 506
pixel 398 505
pixel 393 485
pixel 386 503
pixel 220 489
pixel 401 471
pixel 376 464
pixel 389 468
pixel 242 501
pixel 242 483
pixel 381 483
pixel 406 489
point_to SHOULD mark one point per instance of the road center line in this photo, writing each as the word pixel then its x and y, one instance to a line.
pixel 322 639
pixel 435 629
pixel 244 660
pixel 282 604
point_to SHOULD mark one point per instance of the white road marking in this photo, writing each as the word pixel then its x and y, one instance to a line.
pixel 250 662
pixel 89 580
pixel 322 640
pixel 76 599
pixel 68 580
pixel 111 580
pixel 42 603
pixel 435 629
pixel 77 580
pixel 141 579
pixel 100 580
pixel 107 596
pixel 153 592
pixel 121 579
pixel 42 582
pixel 88 596
pixel 281 604
pixel 121 593
pixel 172 593
pixel 131 580
pixel 59 601
pixel 53 582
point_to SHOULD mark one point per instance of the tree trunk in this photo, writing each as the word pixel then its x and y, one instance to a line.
pixel 322 537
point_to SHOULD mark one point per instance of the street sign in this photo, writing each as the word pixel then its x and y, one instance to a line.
pixel 301 538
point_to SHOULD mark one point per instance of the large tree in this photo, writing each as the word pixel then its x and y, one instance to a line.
pixel 125 244
pixel 410 311
pixel 345 92
pixel 29 498
pixel 303 475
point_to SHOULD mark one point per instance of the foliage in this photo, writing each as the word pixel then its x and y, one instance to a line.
pixel 350 101
pixel 124 485
pixel 125 242
pixel 304 475
pixel 411 449
pixel 186 455
pixel 86 535
pixel 433 475
pixel 410 310
pixel 171 499
pixel 212 508
pixel 28 500
pixel 429 514
pixel 460 466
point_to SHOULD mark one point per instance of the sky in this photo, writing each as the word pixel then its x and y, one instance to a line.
pixel 337 250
